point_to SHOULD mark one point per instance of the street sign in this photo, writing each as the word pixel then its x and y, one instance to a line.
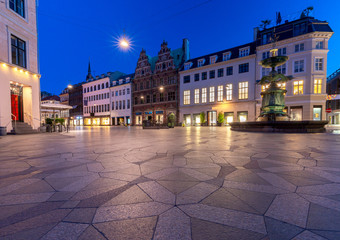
pixel 328 110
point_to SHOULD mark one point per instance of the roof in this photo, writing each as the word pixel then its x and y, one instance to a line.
pixel 55 106
pixel 54 97
pixel 286 30
pixel 234 54
pixel 177 55
pixel 124 77
pixel 152 61
pixel 333 75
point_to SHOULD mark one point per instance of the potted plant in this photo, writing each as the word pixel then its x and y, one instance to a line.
pixel 202 119
pixel 171 120
pixel 220 119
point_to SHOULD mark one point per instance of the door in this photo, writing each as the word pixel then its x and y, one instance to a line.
pixel 16 103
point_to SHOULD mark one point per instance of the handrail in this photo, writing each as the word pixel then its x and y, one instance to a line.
pixel 31 118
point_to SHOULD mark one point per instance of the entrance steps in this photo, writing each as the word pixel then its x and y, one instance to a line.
pixel 22 128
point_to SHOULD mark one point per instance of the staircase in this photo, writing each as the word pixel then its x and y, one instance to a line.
pixel 22 128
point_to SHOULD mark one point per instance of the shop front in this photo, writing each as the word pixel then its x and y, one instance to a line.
pixel 159 117
pixel 97 121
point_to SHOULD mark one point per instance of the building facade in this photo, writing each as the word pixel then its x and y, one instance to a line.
pixel 333 99
pixel 305 42
pixel 121 106
pixel 19 71
pixel 225 81
pixel 97 99
pixel 64 96
pixel 155 87
pixel 76 101
pixel 221 82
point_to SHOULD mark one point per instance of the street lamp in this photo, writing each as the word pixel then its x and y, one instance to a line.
pixel 69 86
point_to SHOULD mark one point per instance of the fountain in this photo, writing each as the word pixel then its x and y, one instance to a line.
pixel 273 118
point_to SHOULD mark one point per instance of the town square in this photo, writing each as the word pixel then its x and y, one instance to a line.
pixel 191 119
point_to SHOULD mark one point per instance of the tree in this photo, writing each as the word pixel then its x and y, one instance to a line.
pixel 202 118
pixel 220 118
pixel 265 23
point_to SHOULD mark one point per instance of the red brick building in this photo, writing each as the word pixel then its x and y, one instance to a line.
pixel 156 84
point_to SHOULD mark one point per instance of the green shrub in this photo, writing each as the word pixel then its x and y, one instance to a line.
pixel 220 118
pixel 202 117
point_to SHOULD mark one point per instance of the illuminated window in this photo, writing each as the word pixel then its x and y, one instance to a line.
pixel 229 92
pixel 220 93
pixel 317 86
pixel 197 96
pixel 212 94
pixel 204 95
pixel 186 97
pixel 318 64
pixel 282 85
pixel 298 87
pixel 243 90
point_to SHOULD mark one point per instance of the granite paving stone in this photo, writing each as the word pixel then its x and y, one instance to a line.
pixel 130 183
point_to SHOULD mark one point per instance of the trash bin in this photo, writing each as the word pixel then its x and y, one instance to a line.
pixel 3 131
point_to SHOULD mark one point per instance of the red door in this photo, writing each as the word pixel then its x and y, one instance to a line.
pixel 15 107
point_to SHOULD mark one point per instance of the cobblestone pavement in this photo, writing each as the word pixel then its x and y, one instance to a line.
pixel 182 183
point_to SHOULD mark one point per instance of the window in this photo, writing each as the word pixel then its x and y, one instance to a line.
pixel 94 88
pixel 317 113
pixel 197 77
pixel 187 66
pixel 282 51
pixel 123 104
pixel 266 38
pixel 200 62
pixel 220 93
pixel 229 92
pixel 299 66
pixel 161 97
pixel 18 6
pixel 243 90
pixel 84 90
pixel 300 28
pixel 220 72
pixel 213 59
pixel 204 95
pixel 186 79
pixel 113 106
pixel 197 96
pixel 226 56
pixel 171 80
pixel 298 87
pixel 204 75
pixel 319 45
pixel 96 97
pixel 212 74
pixel 212 94
pixel 265 55
pixel 107 95
pixel 118 103
pixel 186 97
pixel 171 96
pixel 242 68
pixel 318 64
pixel 128 91
pixel 148 98
pixel 128 104
pixel 18 51
pixel 120 92
pixel 265 71
pixel 154 98
pixel 229 71
pixel 281 69
pixel 317 86
pixel 136 101
pixel 244 52
pixel 299 47
pixel 141 86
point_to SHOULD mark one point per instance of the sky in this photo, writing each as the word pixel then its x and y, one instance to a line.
pixel 73 32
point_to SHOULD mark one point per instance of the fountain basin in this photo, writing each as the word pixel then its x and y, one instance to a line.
pixel 281 126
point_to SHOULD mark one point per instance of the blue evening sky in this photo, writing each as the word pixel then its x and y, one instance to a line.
pixel 72 31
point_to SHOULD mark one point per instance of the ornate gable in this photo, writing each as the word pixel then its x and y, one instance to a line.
pixel 165 60
pixel 143 65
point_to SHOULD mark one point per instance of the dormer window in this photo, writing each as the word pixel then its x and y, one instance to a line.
pixel 213 59
pixel 200 62
pixel 187 65
pixel 244 52
pixel 226 56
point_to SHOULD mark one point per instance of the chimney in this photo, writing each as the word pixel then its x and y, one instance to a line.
pixel 256 31
pixel 185 48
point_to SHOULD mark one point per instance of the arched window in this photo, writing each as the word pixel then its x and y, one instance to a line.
pixel 94 88
pixel 102 85
pixel 84 90
pixel 91 89
pixel 107 84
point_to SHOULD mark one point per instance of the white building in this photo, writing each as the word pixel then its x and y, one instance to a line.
pixel 225 81
pixel 121 100
pixel 305 42
pixel 19 72
pixel 52 108
pixel 97 99
pixel 219 82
